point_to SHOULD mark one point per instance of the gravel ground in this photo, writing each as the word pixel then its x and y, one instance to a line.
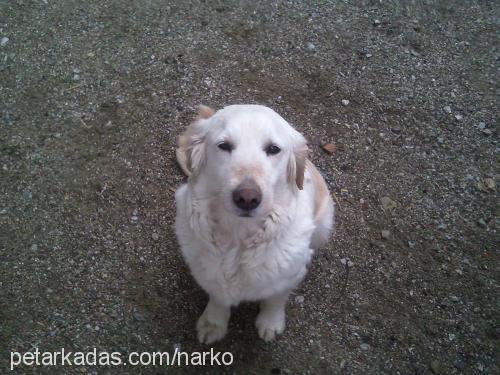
pixel 92 98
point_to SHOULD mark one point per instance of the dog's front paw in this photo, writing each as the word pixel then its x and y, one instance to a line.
pixel 210 331
pixel 270 323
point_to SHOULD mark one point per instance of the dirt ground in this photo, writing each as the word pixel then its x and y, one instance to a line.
pixel 93 95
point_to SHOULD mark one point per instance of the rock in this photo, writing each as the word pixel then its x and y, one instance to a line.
pixel 454 299
pixel 442 226
pixel 310 46
pixel 76 71
pixel 34 247
pixel 440 140
pixel 299 299
pixel 435 366
pixel 76 77
pixel 481 223
pixel 138 317
pixel 365 346
pixel 376 22
pixel 155 236
pixel 385 234
pixel 4 41
pixel 486 184
pixel 396 129
pixel 447 109
pixel 481 125
pixel 345 102
pixel 388 204
pixel 411 244
pixel 487 132
pixel 329 148
pixel 459 117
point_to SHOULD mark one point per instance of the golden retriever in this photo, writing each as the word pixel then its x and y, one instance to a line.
pixel 250 215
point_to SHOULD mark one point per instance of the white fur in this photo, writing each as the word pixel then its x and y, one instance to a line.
pixel 258 258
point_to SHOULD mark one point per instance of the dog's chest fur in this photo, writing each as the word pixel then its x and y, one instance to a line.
pixel 243 262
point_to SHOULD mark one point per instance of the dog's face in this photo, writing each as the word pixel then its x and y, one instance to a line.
pixel 246 155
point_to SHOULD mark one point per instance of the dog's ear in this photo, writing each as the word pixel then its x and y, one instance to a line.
pixel 297 161
pixel 191 151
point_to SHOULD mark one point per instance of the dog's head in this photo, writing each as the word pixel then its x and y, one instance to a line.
pixel 247 156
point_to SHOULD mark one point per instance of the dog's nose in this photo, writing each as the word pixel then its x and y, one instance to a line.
pixel 247 196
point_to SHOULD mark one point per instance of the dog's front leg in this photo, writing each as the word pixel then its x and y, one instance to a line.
pixel 212 324
pixel 271 319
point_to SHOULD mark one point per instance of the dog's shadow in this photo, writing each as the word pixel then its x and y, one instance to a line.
pixel 170 307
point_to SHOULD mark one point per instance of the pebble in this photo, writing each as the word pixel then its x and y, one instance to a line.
pixel 365 346
pixel 487 132
pixel 440 140
pixel 434 367
pixel 311 46
pixel 138 316
pixel 411 244
pixel 481 223
pixel 329 148
pixel 155 236
pixel 481 125
pixel 447 109
pixel 4 41
pixel 388 204
pixel 385 234
pixel 34 247
pixel 454 299
pixel 76 77
pixel 345 102
pixel 459 117
pixel 346 261
pixel 299 299
pixel 442 226
pixel 376 23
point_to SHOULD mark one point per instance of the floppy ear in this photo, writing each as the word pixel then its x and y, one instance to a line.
pixel 297 161
pixel 191 151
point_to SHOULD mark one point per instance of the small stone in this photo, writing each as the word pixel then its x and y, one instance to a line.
pixel 481 223
pixel 376 22
pixel 34 247
pixel 4 41
pixel 442 226
pixel 329 148
pixel 88 326
pixel 481 125
pixel 365 346
pixel 76 71
pixel 459 117
pixel 311 46
pixel 134 218
pixel 388 204
pixel 385 234
pixel 454 299
pixel 411 244
pixel 435 366
pixel 345 102
pixel 447 109
pixel 97 328
pixel 299 299
pixel 487 132
pixel 155 236
pixel 76 77
pixel 396 129
pixel 138 316
pixel 440 140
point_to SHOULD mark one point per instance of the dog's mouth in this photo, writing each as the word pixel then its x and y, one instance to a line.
pixel 245 214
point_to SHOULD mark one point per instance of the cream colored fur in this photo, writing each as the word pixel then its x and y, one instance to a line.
pixel 258 258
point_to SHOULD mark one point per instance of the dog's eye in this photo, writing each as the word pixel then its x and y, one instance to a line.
pixel 272 150
pixel 225 146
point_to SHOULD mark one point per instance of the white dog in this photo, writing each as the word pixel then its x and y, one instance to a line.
pixel 250 214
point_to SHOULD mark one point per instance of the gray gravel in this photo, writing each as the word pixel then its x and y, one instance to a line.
pixel 93 96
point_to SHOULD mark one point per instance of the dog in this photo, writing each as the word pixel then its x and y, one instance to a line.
pixel 251 213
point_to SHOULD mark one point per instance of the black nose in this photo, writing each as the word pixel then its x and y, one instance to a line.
pixel 247 196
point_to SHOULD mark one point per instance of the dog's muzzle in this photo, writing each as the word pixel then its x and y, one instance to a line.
pixel 247 196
